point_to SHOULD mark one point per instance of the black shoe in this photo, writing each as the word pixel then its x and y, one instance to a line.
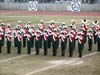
pixel 70 56
pixel 36 54
pixel 53 55
pixel 62 55
pixel 89 50
pixel 80 56
pixel 18 53
pixel 28 53
pixel 45 54
pixel 8 52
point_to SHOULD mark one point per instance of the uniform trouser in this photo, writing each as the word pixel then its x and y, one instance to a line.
pixel 0 46
pixel 63 48
pixel 3 40
pixel 57 43
pixel 19 47
pixel 80 49
pixel 54 48
pixel 98 44
pixel 82 46
pixel 41 41
pixel 49 42
pixel 28 46
pixel 24 41
pixel 15 41
pixel 71 48
pixel 74 44
pixel 85 37
pixel 37 46
pixel 89 44
pixel 32 42
pixel 95 38
pixel 8 46
pixel 45 46
pixel 0 49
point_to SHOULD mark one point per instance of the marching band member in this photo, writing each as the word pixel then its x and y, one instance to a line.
pixel 41 37
pixel 98 39
pixel 75 33
pixel 28 25
pixel 8 34
pixel 80 38
pixel 17 28
pixel 33 35
pixel 85 27
pixel 45 42
pixel 50 38
pixel 73 29
pixel 19 39
pixel 29 37
pixel 24 31
pixel 63 43
pixel 71 43
pixel 62 26
pixel 65 31
pixel 51 28
pixel 42 25
pixel 73 25
pixel 19 24
pixel 32 31
pixel 37 42
pixel 90 39
pixel 3 28
pixel 95 28
pixel 15 36
pixel 52 25
pixel 41 28
pixel 54 43
pixel 1 34
pixel 58 33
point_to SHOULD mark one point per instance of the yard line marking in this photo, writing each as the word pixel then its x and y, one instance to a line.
pixel 90 54
pixel 51 66
pixel 39 70
pixel 70 62
pixel 80 62
pixel 57 62
pixel 9 59
pixel 5 60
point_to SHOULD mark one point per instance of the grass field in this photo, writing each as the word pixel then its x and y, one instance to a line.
pixel 14 64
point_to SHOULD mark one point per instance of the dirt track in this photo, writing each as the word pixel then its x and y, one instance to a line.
pixel 8 12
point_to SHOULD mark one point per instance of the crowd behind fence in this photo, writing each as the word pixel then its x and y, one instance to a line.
pixel 51 1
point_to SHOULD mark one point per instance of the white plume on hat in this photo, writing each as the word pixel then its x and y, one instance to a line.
pixel 19 21
pixel 29 21
pixel 3 23
pixel 85 22
pixel 95 23
pixel 41 20
pixel 63 23
pixel 72 20
pixel 52 21
pixel 33 25
pixel 65 26
pixel 8 24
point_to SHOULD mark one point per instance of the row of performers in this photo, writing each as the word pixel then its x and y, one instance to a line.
pixel 50 37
